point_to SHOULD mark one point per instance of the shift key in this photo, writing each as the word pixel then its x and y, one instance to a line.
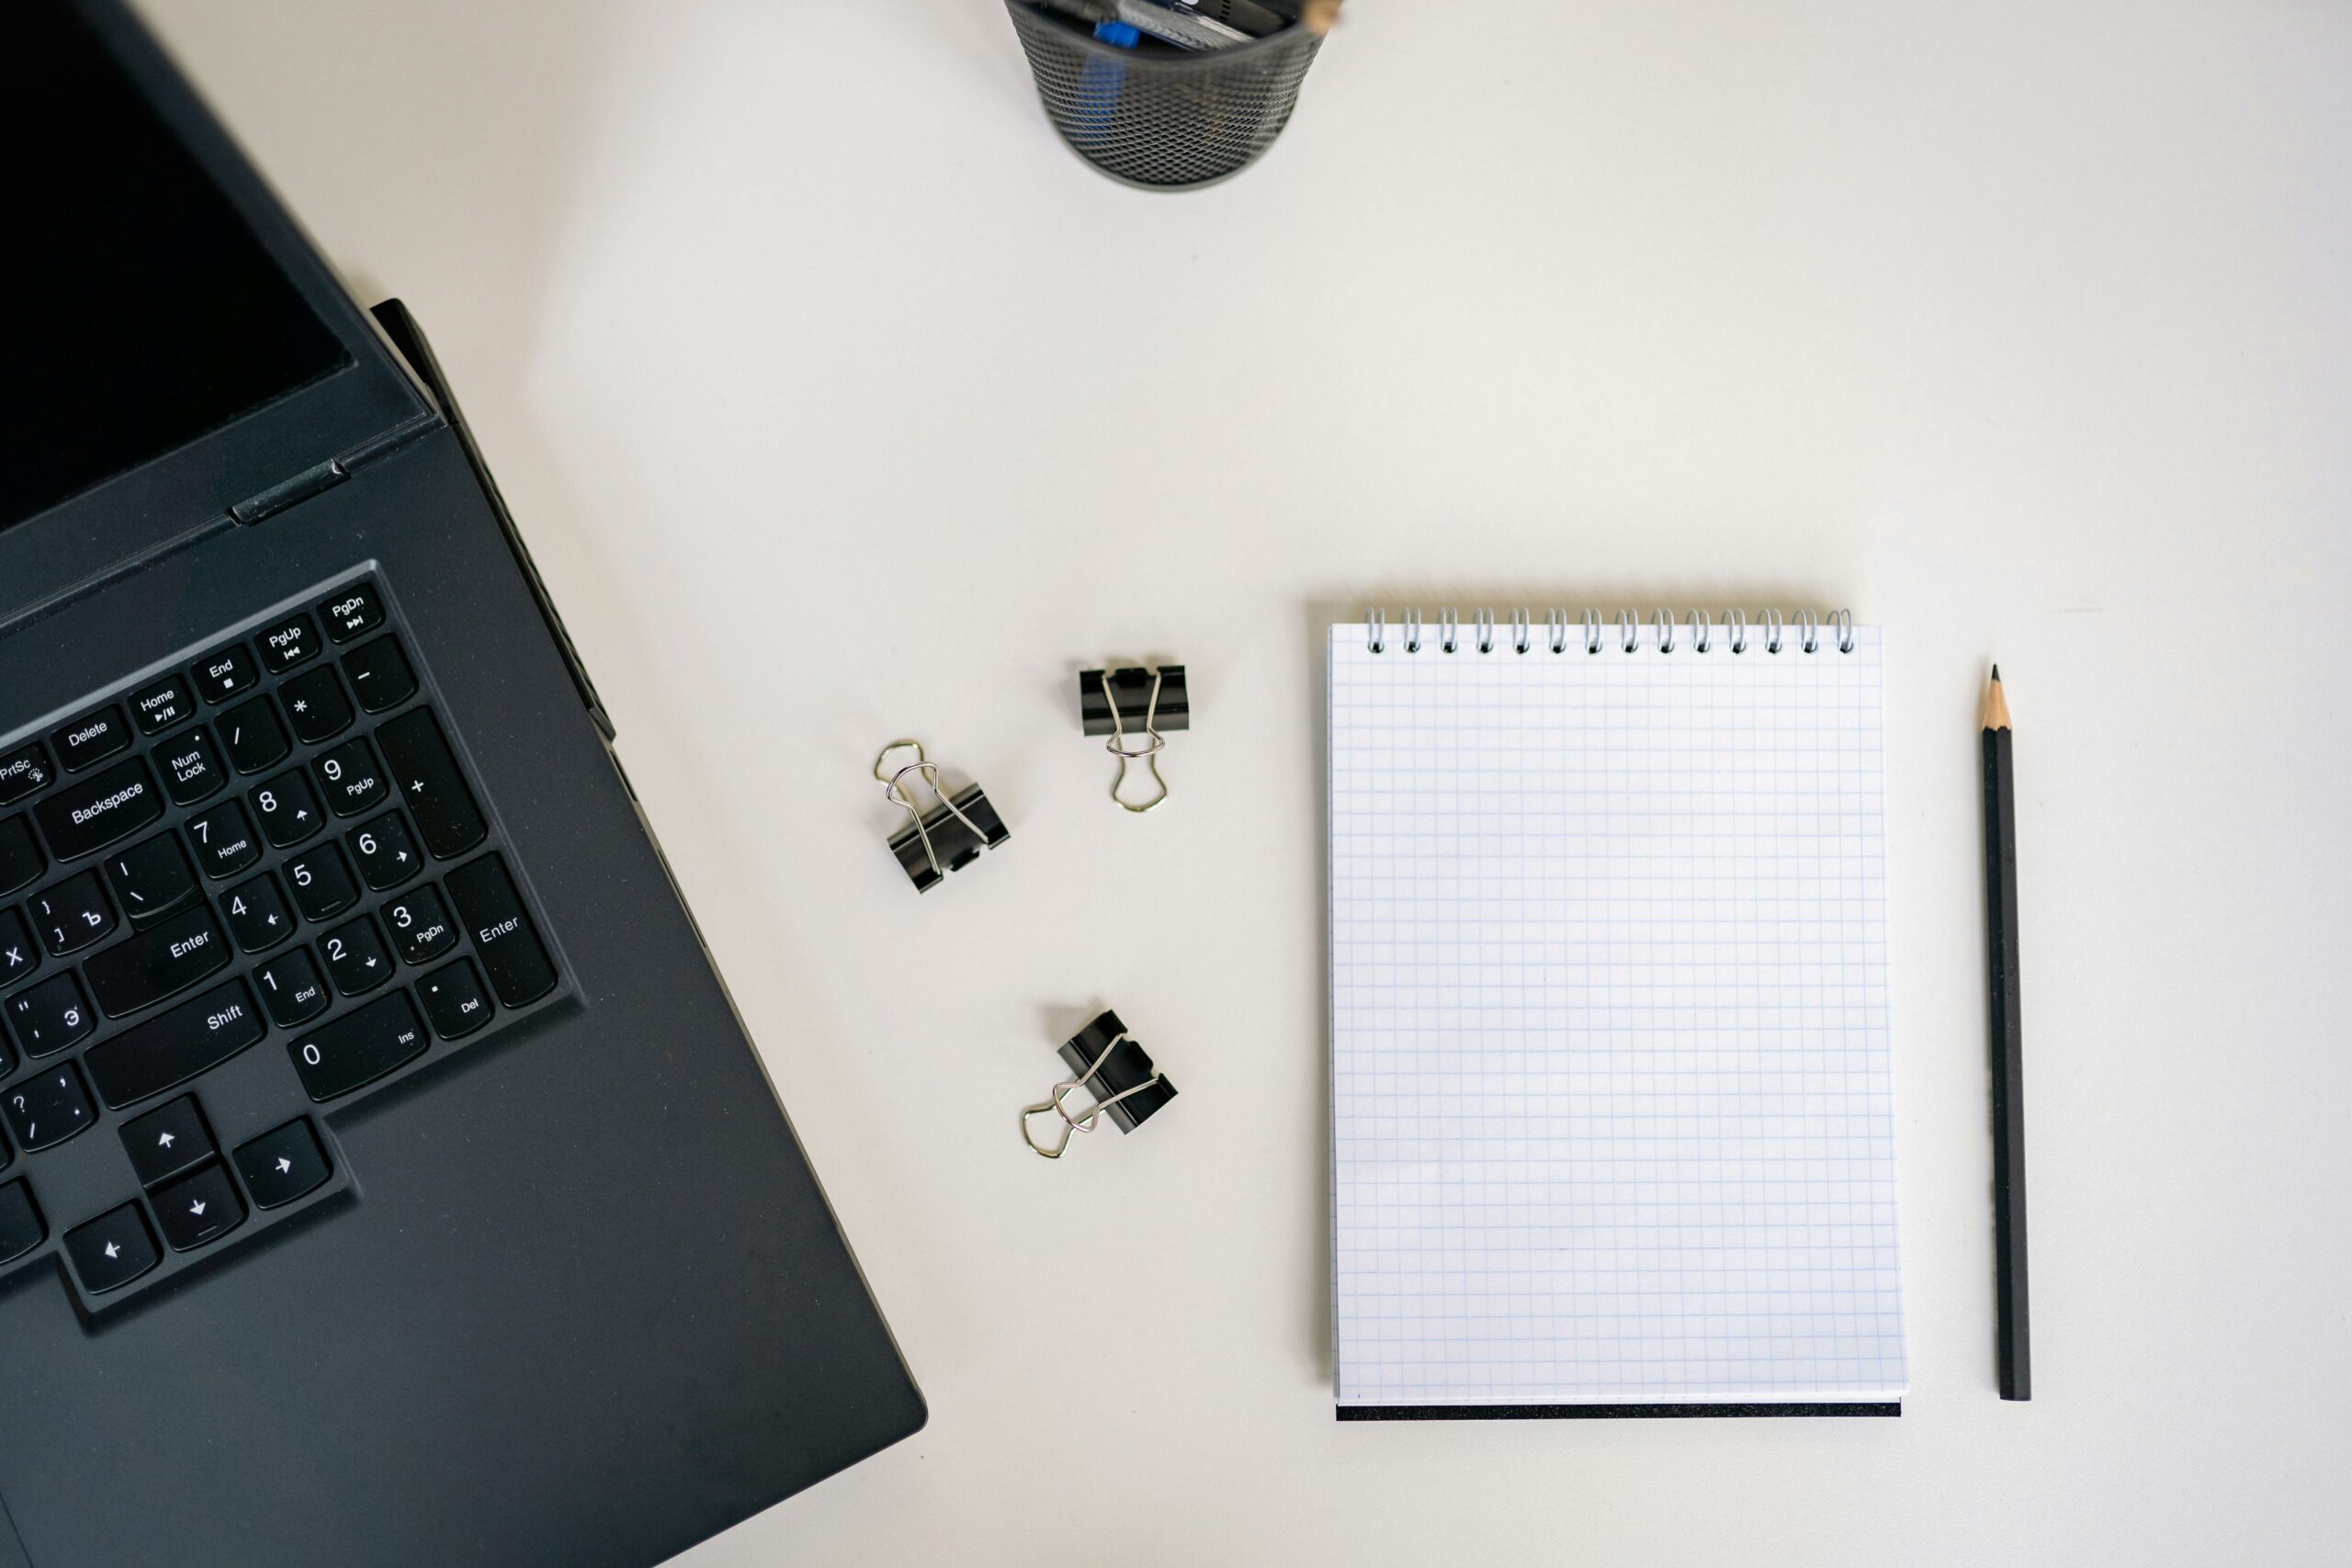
pixel 192 1038
pixel 89 814
pixel 156 964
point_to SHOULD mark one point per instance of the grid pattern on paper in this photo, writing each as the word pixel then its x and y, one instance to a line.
pixel 1611 1080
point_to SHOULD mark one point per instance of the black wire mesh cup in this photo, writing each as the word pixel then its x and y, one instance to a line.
pixel 1164 120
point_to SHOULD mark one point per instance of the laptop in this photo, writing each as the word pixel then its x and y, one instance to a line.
pixel 385 1176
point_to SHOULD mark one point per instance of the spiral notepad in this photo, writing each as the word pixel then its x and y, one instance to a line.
pixel 1612 1130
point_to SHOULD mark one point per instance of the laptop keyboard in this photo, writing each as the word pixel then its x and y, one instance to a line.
pixel 274 841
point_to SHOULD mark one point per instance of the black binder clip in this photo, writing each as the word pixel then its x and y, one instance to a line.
pixel 1114 1071
pixel 948 837
pixel 1117 702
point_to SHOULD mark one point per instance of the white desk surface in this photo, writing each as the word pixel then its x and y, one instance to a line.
pixel 839 402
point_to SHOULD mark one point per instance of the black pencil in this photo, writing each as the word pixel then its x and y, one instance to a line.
pixel 2007 1046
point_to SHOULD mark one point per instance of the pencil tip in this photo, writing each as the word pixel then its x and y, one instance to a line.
pixel 1997 673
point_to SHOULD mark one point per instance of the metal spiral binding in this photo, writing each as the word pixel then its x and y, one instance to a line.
pixel 1697 632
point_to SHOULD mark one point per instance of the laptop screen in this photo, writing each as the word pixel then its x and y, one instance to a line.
pixel 137 310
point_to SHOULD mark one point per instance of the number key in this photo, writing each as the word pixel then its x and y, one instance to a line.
pixel 288 811
pixel 322 885
pixel 224 841
pixel 384 851
pixel 351 779
pixel 356 958
pixel 291 990
pixel 257 915
pixel 421 927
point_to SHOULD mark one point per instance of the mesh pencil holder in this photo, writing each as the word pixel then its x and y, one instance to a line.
pixel 1165 121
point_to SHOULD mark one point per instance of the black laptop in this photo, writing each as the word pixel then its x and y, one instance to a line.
pixel 384 1176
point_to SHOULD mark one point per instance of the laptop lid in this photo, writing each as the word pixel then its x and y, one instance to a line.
pixel 171 346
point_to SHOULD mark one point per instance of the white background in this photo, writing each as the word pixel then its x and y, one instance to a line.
pixel 839 402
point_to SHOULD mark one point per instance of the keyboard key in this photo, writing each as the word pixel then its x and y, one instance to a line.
pixel 88 815
pixel 492 914
pixel 257 914
pixel 112 1250
pixel 253 736
pixel 192 767
pixel 358 959
pixel 280 1165
pixel 20 858
pixel 291 990
pixel 358 1048
pixel 158 707
pixel 171 1049
pixel 163 1144
pixel 225 673
pixel 429 781
pixel 92 740
pixel 315 705
pixel 49 1017
pixel 380 677
pixel 224 841
pixel 156 964
pixel 200 1208
pixel 352 611
pixel 47 1108
pixel 151 880
pixel 322 885
pixel 455 1000
pixel 23 771
pixel 289 813
pixel 421 928
pixel 73 915
pixel 19 956
pixel 287 643
pixel 21 1228
pixel 384 852
pixel 350 779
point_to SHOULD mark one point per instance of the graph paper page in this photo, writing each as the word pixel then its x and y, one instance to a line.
pixel 1610 1099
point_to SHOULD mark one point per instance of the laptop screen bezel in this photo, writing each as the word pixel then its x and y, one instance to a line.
pixel 172 496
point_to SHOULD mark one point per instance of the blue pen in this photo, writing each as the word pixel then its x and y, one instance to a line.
pixel 1102 81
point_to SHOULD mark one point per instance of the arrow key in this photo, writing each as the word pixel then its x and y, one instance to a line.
pixel 281 1166
pixel 384 852
pixel 168 1142
pixel 358 959
pixel 200 1208
pixel 112 1250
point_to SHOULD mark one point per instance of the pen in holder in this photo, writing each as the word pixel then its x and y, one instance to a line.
pixel 1169 94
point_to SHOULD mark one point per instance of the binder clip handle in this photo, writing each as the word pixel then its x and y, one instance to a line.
pixel 1056 1104
pixel 1148 754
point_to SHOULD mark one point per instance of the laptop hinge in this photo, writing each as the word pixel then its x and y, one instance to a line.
pixel 293 493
